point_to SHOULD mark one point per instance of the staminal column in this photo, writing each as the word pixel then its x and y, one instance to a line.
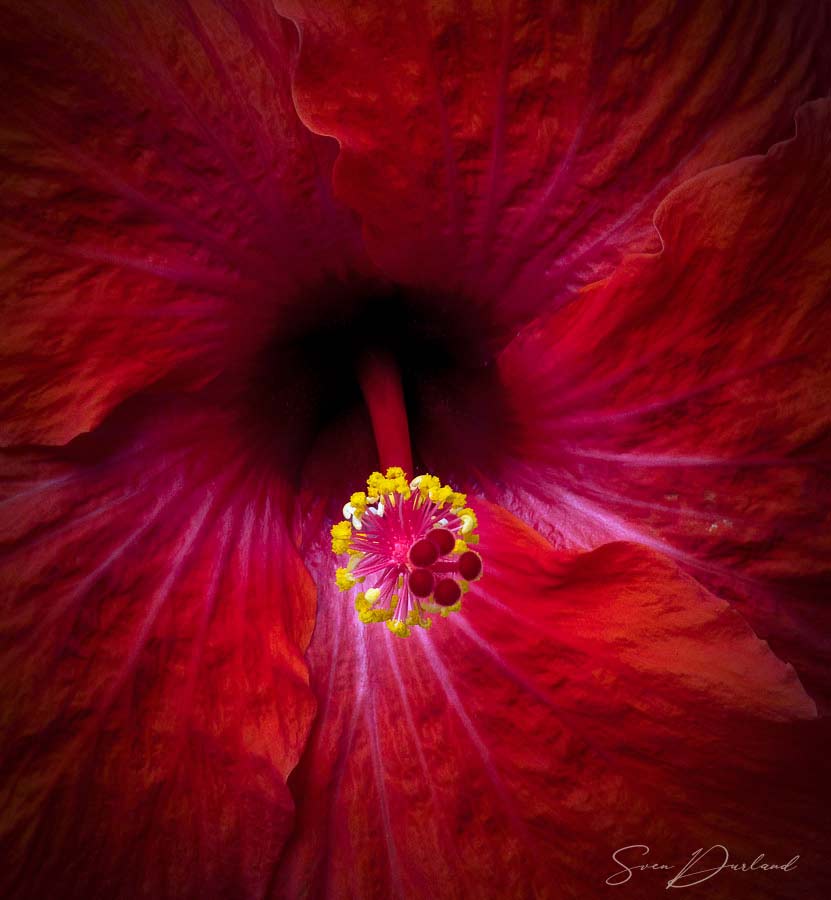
pixel 380 381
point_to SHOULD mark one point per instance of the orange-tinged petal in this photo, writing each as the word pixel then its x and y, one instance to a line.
pixel 575 705
pixel 154 693
pixel 684 403
pixel 507 152
pixel 163 206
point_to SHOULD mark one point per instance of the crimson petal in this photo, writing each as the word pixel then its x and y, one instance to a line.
pixel 163 206
pixel 154 692
pixel 574 706
pixel 684 404
pixel 511 151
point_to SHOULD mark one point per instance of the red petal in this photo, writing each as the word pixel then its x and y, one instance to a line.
pixel 512 150
pixel 162 203
pixel 684 404
pixel 574 706
pixel 154 691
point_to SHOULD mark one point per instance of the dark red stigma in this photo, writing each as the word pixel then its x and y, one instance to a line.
pixel 447 592
pixel 424 553
pixel 443 539
pixel 470 565
pixel 421 582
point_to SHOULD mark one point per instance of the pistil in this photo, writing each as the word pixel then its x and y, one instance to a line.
pixel 405 544
pixel 380 381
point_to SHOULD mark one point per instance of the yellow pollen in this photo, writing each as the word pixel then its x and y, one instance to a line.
pixel 414 618
pixel 358 503
pixel 341 536
pixel 446 610
pixel 426 484
pixel 469 523
pixel 344 580
pixel 367 615
pixel 441 495
pixel 394 482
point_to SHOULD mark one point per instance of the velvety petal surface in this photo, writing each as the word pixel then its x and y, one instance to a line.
pixel 163 207
pixel 576 704
pixel 507 152
pixel 684 404
pixel 155 695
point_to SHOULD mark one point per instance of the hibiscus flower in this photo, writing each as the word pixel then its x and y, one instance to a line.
pixel 571 259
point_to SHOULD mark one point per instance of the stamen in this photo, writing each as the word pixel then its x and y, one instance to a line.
pixel 407 546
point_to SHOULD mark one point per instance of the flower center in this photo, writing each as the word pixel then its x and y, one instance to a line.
pixel 406 543
pixel 408 547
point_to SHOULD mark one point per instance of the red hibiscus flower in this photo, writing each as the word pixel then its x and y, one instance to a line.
pixel 575 260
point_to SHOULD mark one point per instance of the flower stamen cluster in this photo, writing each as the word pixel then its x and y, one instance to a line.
pixel 408 547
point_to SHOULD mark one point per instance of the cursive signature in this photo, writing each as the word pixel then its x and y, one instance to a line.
pixel 701 866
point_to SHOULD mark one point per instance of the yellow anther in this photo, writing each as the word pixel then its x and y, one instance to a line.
pixel 397 479
pixel 394 482
pixel 426 484
pixel 468 517
pixel 341 536
pixel 397 627
pixel 431 488
pixel 459 547
pixel 372 594
pixel 358 503
pixel 446 610
pixel 375 483
pixel 441 494
pixel 413 618
pixel 344 580
pixel 403 488
pixel 368 615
